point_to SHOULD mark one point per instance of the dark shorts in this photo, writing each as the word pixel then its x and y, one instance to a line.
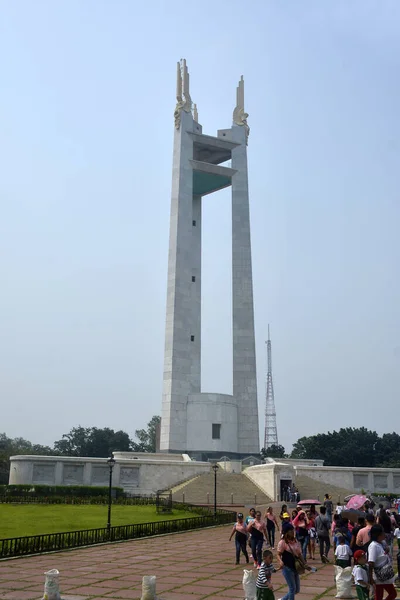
pixel 341 562
pixel 265 594
pixel 362 593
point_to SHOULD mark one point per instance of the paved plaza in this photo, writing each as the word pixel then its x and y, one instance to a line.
pixel 189 566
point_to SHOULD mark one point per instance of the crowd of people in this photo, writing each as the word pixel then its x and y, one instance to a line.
pixel 362 542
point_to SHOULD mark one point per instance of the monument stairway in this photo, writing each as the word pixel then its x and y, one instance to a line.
pixel 310 488
pixel 232 488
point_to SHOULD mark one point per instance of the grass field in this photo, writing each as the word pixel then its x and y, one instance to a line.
pixel 32 519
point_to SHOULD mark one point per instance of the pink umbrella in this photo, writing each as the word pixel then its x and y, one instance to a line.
pixel 356 502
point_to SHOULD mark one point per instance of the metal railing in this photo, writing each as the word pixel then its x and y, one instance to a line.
pixel 131 500
pixel 51 542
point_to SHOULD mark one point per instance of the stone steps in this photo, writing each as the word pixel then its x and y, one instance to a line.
pixel 232 488
pixel 310 488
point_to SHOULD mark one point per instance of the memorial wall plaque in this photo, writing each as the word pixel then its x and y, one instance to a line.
pixel 73 474
pixel 360 481
pixel 100 475
pixel 129 476
pixel 380 482
pixel 44 473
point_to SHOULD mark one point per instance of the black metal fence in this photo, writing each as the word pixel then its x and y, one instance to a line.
pixel 50 542
pixel 129 501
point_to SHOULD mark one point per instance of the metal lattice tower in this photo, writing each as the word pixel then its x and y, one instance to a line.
pixel 271 431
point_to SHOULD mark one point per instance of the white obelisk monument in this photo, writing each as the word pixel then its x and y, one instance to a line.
pixel 207 425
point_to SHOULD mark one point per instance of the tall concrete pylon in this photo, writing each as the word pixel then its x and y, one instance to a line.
pixel 207 425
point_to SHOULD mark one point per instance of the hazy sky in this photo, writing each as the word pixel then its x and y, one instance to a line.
pixel 86 115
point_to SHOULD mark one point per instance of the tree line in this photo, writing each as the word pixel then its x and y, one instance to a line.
pixel 348 447
pixel 80 441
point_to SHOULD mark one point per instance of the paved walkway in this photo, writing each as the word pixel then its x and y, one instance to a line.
pixel 189 566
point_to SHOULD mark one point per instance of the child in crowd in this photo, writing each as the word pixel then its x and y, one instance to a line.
pixel 343 552
pixel 263 583
pixel 360 575
pixel 240 532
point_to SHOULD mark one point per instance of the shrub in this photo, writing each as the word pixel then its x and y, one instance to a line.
pixel 78 491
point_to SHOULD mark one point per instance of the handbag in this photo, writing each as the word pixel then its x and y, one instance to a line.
pixel 385 572
pixel 299 563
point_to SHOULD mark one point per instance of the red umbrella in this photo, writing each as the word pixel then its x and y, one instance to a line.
pixel 356 502
pixel 308 503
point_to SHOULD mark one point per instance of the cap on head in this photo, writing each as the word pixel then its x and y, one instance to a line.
pixel 359 554
pixel 240 515
pixel 285 516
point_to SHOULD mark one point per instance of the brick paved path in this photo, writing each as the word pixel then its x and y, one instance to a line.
pixel 189 566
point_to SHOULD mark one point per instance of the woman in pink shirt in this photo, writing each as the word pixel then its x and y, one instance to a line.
pixel 258 531
pixel 288 550
pixel 300 522
pixel 272 524
pixel 240 532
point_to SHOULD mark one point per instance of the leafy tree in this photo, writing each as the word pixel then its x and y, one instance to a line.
pixel 11 447
pixel 273 451
pixel 92 441
pixel 147 437
pixel 387 450
pixel 348 447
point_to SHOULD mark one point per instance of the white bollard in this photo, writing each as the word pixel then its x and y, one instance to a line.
pixel 52 585
pixel 149 587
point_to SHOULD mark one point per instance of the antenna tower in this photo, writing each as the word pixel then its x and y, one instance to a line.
pixel 271 431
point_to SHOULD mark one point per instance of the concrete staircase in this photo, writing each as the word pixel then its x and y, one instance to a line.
pixel 232 488
pixel 310 488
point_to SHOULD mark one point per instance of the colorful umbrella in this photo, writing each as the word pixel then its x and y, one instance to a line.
pixel 347 498
pixel 308 503
pixel 356 502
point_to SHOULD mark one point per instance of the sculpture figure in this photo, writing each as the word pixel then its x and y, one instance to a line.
pixel 239 115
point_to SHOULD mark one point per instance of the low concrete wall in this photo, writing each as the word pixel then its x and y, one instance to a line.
pixel 353 478
pixel 269 476
pixel 137 475
pixel 265 476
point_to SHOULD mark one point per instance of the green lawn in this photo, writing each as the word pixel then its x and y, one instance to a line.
pixel 32 519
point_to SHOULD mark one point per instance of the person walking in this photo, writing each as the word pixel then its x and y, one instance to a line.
pixel 343 552
pixel 301 525
pixel 313 512
pixel 384 520
pixel 360 575
pixel 381 571
pixel 312 535
pixel 272 525
pixel 363 538
pixel 356 529
pixel 258 532
pixel 323 525
pixel 263 584
pixel 240 532
pixel 289 550
pixel 284 510
pixel 329 507
pixel 250 517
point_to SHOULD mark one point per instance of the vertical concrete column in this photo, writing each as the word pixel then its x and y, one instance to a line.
pixel 59 473
pixel 87 473
pixel 371 483
pixel 177 384
pixel 244 353
pixel 195 346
